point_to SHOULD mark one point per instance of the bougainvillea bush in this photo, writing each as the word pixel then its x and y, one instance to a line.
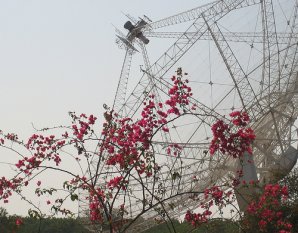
pixel 117 158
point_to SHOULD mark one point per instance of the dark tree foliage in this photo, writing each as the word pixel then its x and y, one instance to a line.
pixel 33 225
pixel 213 226
pixel 291 208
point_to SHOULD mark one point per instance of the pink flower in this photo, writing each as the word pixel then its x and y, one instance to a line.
pixel 19 221
pixel 262 224
pixel 232 140
pixel 268 208
pixel 165 129
pixel 115 182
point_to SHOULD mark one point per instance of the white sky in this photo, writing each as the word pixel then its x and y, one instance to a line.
pixel 60 55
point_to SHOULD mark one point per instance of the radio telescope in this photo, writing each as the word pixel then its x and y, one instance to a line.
pixel 239 55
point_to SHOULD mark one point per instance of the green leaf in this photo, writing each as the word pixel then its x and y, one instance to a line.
pixel 74 197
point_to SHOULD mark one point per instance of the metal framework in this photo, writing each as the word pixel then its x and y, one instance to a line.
pixel 267 88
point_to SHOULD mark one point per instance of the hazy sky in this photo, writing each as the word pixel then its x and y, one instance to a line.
pixel 60 55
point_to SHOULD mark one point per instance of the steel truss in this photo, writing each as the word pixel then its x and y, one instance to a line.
pixel 271 100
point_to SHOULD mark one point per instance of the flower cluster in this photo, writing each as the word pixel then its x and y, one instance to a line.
pixel 128 142
pixel 267 209
pixel 96 200
pixel 197 219
pixel 82 125
pixel 117 182
pixel 12 137
pixel 240 118
pixel 230 140
pixel 7 186
pixel 213 196
pixel 42 148
pixel 215 193
pixel 9 136
pixel 179 94
pixel 5 189
pixel 174 149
